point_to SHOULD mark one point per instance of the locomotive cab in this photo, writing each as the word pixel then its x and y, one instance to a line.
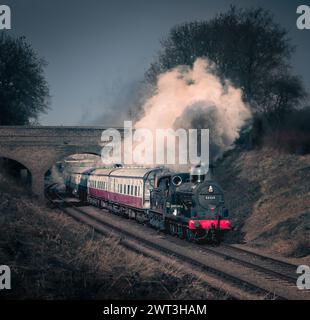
pixel 163 196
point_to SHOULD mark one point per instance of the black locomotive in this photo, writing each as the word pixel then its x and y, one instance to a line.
pixel 189 205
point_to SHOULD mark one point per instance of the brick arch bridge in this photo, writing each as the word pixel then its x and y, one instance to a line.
pixel 38 148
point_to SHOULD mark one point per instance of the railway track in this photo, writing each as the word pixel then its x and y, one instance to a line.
pixel 270 266
pixel 240 273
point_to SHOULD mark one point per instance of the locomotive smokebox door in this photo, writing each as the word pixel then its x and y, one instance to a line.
pixel 209 195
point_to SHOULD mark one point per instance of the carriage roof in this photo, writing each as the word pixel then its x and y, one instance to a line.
pixel 123 172
pixel 131 172
pixel 79 170
pixel 103 171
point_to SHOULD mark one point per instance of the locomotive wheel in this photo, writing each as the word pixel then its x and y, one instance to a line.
pixel 181 232
pixel 190 236
pixel 172 229
pixel 213 236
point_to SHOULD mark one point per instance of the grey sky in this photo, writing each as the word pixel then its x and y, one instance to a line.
pixel 98 51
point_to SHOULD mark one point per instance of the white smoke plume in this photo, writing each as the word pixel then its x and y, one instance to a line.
pixel 195 98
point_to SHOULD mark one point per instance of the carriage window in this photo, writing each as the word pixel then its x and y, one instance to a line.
pixel 136 191
pixel 128 189
pixel 121 188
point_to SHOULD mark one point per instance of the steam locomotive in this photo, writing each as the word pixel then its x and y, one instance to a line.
pixel 188 205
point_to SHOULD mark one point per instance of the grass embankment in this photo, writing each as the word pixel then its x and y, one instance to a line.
pixel 52 256
pixel 268 193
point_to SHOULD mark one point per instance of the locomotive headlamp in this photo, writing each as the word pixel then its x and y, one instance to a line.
pixel 210 189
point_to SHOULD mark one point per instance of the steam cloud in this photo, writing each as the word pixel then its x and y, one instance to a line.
pixel 194 98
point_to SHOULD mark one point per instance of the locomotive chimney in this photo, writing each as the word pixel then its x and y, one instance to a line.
pixel 198 173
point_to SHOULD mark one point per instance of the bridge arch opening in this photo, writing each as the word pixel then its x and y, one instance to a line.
pixel 16 171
